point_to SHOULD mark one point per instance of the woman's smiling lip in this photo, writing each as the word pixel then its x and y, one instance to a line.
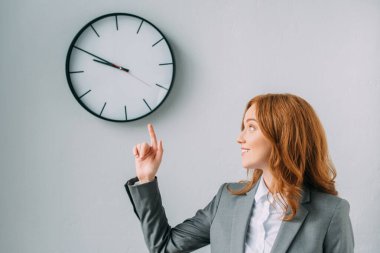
pixel 244 150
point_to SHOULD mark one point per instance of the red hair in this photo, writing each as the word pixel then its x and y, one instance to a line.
pixel 299 155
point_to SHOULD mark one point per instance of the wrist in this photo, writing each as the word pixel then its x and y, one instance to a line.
pixel 145 180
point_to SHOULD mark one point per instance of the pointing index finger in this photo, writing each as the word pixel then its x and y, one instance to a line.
pixel 153 138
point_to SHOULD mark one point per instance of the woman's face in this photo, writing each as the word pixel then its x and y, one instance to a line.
pixel 255 148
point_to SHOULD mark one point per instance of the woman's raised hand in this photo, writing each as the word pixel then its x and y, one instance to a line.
pixel 148 157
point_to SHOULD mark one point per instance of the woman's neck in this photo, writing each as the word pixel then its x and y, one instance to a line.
pixel 268 178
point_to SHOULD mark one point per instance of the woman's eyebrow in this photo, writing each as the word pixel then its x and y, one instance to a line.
pixel 250 119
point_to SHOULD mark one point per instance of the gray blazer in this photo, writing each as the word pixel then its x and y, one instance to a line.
pixel 322 223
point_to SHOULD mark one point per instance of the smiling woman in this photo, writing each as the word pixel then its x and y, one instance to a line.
pixel 291 198
pixel 288 146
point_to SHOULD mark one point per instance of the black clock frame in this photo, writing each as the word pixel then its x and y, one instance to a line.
pixel 73 44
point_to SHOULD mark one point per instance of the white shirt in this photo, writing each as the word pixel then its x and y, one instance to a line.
pixel 265 222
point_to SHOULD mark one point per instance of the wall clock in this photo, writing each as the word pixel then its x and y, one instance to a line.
pixel 120 67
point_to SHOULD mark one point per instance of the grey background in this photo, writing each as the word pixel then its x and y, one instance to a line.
pixel 63 170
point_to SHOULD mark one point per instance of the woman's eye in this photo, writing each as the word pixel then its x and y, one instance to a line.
pixel 250 127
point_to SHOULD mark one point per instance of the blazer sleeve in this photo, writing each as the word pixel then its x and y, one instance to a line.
pixel 159 236
pixel 340 237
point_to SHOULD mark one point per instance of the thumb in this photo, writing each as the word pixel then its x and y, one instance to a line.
pixel 135 152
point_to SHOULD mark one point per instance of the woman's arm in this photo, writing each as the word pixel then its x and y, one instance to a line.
pixel 340 237
pixel 187 236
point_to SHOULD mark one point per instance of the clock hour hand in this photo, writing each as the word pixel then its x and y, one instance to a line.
pixel 126 70
pixel 112 65
pixel 104 61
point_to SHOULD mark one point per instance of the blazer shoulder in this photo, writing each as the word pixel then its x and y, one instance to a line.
pixel 236 186
pixel 327 203
pixel 334 212
pixel 226 186
pixel 326 197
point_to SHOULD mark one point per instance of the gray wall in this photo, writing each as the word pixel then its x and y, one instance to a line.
pixel 63 170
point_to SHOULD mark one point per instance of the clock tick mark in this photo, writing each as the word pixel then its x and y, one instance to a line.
pixel 157 42
pixel 94 30
pixel 103 108
pixel 147 104
pixel 162 86
pixel 76 72
pixel 117 25
pixel 125 111
pixel 84 94
pixel 140 26
pixel 162 64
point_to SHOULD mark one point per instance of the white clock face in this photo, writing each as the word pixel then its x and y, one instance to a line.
pixel 120 67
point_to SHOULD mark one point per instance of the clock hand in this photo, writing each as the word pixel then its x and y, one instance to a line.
pixel 121 68
pixel 112 65
pixel 140 79
pixel 109 63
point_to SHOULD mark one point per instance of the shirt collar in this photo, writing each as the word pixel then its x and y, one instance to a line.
pixel 263 196
pixel 262 190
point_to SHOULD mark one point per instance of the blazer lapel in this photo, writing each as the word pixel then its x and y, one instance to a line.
pixel 242 215
pixel 289 229
pixel 241 218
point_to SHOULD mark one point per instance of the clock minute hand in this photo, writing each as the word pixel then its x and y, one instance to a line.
pixel 105 61
pixel 112 65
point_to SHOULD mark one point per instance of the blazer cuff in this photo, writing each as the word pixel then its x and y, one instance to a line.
pixel 141 195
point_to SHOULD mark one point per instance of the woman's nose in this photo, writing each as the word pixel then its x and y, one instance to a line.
pixel 240 139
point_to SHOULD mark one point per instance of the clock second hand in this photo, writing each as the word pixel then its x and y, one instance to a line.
pixel 122 68
pixel 140 79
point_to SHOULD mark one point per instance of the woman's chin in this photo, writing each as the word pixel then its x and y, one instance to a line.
pixel 247 166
